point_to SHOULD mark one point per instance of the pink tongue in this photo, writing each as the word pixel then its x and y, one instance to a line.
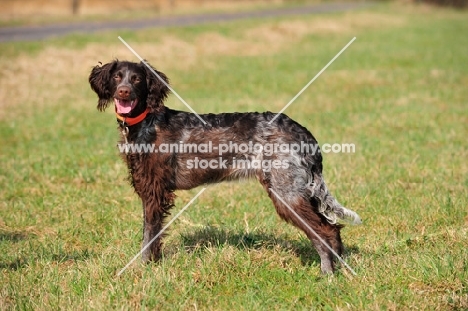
pixel 123 106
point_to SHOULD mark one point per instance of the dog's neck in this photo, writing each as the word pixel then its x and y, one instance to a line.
pixel 130 121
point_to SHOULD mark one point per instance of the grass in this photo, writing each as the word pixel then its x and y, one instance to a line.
pixel 69 221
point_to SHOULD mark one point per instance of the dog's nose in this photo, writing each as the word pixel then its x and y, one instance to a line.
pixel 124 91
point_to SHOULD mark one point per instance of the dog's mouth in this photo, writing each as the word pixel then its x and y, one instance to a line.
pixel 124 106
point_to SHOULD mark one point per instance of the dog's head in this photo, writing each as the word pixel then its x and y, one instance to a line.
pixel 132 86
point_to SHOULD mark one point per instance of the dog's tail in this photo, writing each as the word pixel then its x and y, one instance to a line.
pixel 329 207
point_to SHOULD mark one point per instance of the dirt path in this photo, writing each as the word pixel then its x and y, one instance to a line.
pixel 32 33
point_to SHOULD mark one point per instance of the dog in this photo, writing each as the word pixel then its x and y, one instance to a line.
pixel 292 178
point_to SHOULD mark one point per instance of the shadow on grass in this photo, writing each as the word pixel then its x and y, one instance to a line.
pixel 77 255
pixel 203 238
pixel 61 257
pixel 10 237
pixel 14 264
pixel 13 236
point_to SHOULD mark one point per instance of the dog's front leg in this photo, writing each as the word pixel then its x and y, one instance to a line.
pixel 153 217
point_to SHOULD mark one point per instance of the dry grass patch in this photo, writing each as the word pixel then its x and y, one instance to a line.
pixel 272 37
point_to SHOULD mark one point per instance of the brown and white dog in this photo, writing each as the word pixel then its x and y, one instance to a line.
pixel 292 177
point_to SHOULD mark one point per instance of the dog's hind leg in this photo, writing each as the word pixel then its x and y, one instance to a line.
pixel 293 205
pixel 317 229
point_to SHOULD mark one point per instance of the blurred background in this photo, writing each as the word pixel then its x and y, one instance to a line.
pixel 15 8
pixel 12 9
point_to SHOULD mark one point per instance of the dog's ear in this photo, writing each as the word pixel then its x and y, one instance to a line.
pixel 100 81
pixel 157 90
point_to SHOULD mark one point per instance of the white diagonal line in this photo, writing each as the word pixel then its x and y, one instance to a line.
pixel 315 233
pixel 311 81
pixel 162 80
pixel 160 232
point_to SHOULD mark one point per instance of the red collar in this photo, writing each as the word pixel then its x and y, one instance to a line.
pixel 126 121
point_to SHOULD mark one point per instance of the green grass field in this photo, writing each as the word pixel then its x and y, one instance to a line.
pixel 69 220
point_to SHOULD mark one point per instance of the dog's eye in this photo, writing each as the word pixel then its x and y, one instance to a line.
pixel 136 79
pixel 116 76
